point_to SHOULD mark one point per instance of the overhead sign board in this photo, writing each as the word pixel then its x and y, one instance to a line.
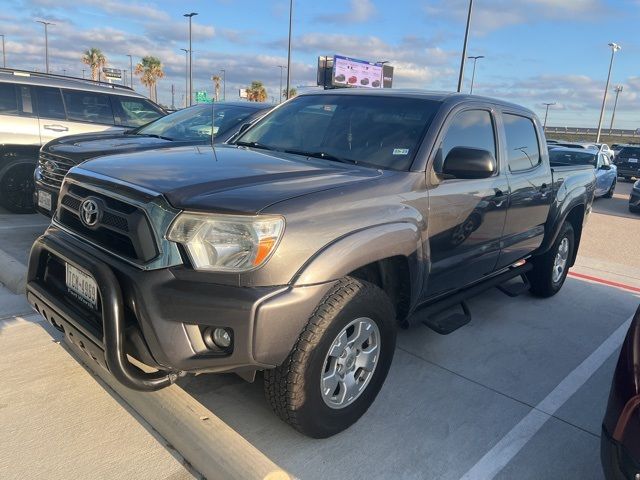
pixel 203 97
pixel 112 73
pixel 351 72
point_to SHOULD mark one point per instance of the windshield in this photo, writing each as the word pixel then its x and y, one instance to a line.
pixel 194 123
pixel 563 158
pixel 380 131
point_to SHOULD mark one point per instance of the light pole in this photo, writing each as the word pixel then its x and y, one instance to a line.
pixel 46 42
pixel 224 84
pixel 618 90
pixel 124 77
pixel 4 53
pixel 83 70
pixel 546 114
pixel 614 48
pixel 190 16
pixel 186 76
pixel 464 47
pixel 130 70
pixel 473 76
pixel 281 68
pixel 289 50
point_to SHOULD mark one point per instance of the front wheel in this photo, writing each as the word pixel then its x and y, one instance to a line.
pixel 339 363
pixel 17 186
pixel 609 193
pixel 550 269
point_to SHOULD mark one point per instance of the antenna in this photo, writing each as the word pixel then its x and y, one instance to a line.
pixel 213 131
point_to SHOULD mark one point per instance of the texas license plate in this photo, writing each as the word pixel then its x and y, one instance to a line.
pixel 82 286
pixel 44 200
pixel 633 160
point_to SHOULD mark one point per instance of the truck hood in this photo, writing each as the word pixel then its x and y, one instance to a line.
pixel 79 148
pixel 235 179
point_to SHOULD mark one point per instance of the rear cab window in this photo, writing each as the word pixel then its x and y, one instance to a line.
pixel 523 148
pixel 629 152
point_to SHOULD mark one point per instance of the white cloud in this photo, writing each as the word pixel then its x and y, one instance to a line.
pixel 359 11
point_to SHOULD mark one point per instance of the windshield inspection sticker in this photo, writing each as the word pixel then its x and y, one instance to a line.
pixel 401 151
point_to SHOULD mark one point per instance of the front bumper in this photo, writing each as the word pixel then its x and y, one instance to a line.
pixel 634 200
pixel 158 316
pixel 617 464
pixel 629 171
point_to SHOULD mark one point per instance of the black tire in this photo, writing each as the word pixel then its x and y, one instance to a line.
pixel 294 388
pixel 634 209
pixel 17 186
pixel 609 193
pixel 541 277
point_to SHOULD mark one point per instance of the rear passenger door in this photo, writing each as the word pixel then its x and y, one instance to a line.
pixel 18 120
pixel 466 216
pixel 530 181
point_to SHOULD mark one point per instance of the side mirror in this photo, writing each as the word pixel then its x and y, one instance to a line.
pixel 605 167
pixel 468 163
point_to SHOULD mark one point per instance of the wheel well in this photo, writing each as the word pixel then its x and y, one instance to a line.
pixel 576 219
pixel 392 276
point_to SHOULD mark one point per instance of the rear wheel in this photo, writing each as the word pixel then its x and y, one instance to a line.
pixel 17 186
pixel 550 269
pixel 339 363
pixel 609 193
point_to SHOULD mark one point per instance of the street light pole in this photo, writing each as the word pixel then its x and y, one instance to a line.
pixel 546 114
pixel 186 76
pixel 289 50
pixel 614 48
pixel 46 42
pixel 224 84
pixel 473 76
pixel 618 90
pixel 464 47
pixel 4 53
pixel 281 68
pixel 190 16
pixel 130 70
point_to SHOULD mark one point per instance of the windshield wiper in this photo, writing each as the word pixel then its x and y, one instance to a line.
pixel 254 145
pixel 155 136
pixel 323 155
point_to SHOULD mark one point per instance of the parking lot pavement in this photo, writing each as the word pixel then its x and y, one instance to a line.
pixel 451 403
pixel 17 233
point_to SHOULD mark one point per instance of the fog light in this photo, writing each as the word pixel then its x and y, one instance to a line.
pixel 222 338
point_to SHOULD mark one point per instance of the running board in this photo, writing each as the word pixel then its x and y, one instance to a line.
pixel 444 325
pixel 515 289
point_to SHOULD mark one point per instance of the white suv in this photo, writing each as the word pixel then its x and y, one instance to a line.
pixel 37 107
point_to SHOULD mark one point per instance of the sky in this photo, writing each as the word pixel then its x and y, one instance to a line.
pixel 536 51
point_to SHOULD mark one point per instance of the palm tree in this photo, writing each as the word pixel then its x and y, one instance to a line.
pixel 256 92
pixel 292 93
pixel 216 80
pixel 150 70
pixel 96 60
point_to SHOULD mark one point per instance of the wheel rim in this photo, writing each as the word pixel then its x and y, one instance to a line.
pixel 350 363
pixel 17 186
pixel 560 263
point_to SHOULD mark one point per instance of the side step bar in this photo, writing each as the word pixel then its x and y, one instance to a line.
pixel 429 314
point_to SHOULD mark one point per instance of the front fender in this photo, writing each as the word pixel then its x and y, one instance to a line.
pixel 362 248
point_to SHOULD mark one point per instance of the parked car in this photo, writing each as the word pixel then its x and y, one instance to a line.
pixel 634 198
pixel 616 147
pixel 190 126
pixel 598 147
pixel 300 248
pixel 620 439
pixel 606 173
pixel 38 107
pixel 628 162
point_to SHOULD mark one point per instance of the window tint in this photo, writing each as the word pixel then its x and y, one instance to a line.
pixel 26 104
pixel 50 103
pixel 134 112
pixel 560 157
pixel 8 99
pixel 523 151
pixel 471 128
pixel 633 152
pixel 88 107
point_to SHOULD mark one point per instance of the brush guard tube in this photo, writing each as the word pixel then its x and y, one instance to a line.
pixel 113 322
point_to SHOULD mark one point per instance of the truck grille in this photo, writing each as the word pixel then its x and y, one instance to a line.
pixel 121 228
pixel 53 168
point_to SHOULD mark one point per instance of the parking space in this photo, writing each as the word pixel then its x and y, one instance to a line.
pixel 450 402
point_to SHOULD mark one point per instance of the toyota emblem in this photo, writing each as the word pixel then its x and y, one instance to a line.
pixel 50 166
pixel 90 212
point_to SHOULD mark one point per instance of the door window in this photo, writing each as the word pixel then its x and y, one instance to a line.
pixel 8 99
pixel 25 101
pixel 50 103
pixel 470 128
pixel 523 151
pixel 88 107
pixel 134 112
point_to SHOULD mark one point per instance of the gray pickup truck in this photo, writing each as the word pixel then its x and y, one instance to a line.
pixel 299 250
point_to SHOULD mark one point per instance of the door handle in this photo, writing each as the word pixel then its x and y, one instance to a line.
pixel 57 128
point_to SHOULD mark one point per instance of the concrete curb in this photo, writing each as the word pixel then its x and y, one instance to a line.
pixel 13 274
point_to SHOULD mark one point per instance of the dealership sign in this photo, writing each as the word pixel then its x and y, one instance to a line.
pixel 112 73
pixel 346 72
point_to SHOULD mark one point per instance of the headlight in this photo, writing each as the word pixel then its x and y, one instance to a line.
pixel 226 243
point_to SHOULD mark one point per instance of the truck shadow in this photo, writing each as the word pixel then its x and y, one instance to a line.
pixel 447 399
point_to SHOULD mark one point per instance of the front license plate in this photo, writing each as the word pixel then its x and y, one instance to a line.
pixel 44 200
pixel 82 286
pixel 633 160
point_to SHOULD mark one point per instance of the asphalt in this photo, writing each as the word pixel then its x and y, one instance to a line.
pixel 449 403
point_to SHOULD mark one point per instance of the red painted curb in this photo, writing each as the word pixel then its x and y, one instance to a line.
pixel 604 282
